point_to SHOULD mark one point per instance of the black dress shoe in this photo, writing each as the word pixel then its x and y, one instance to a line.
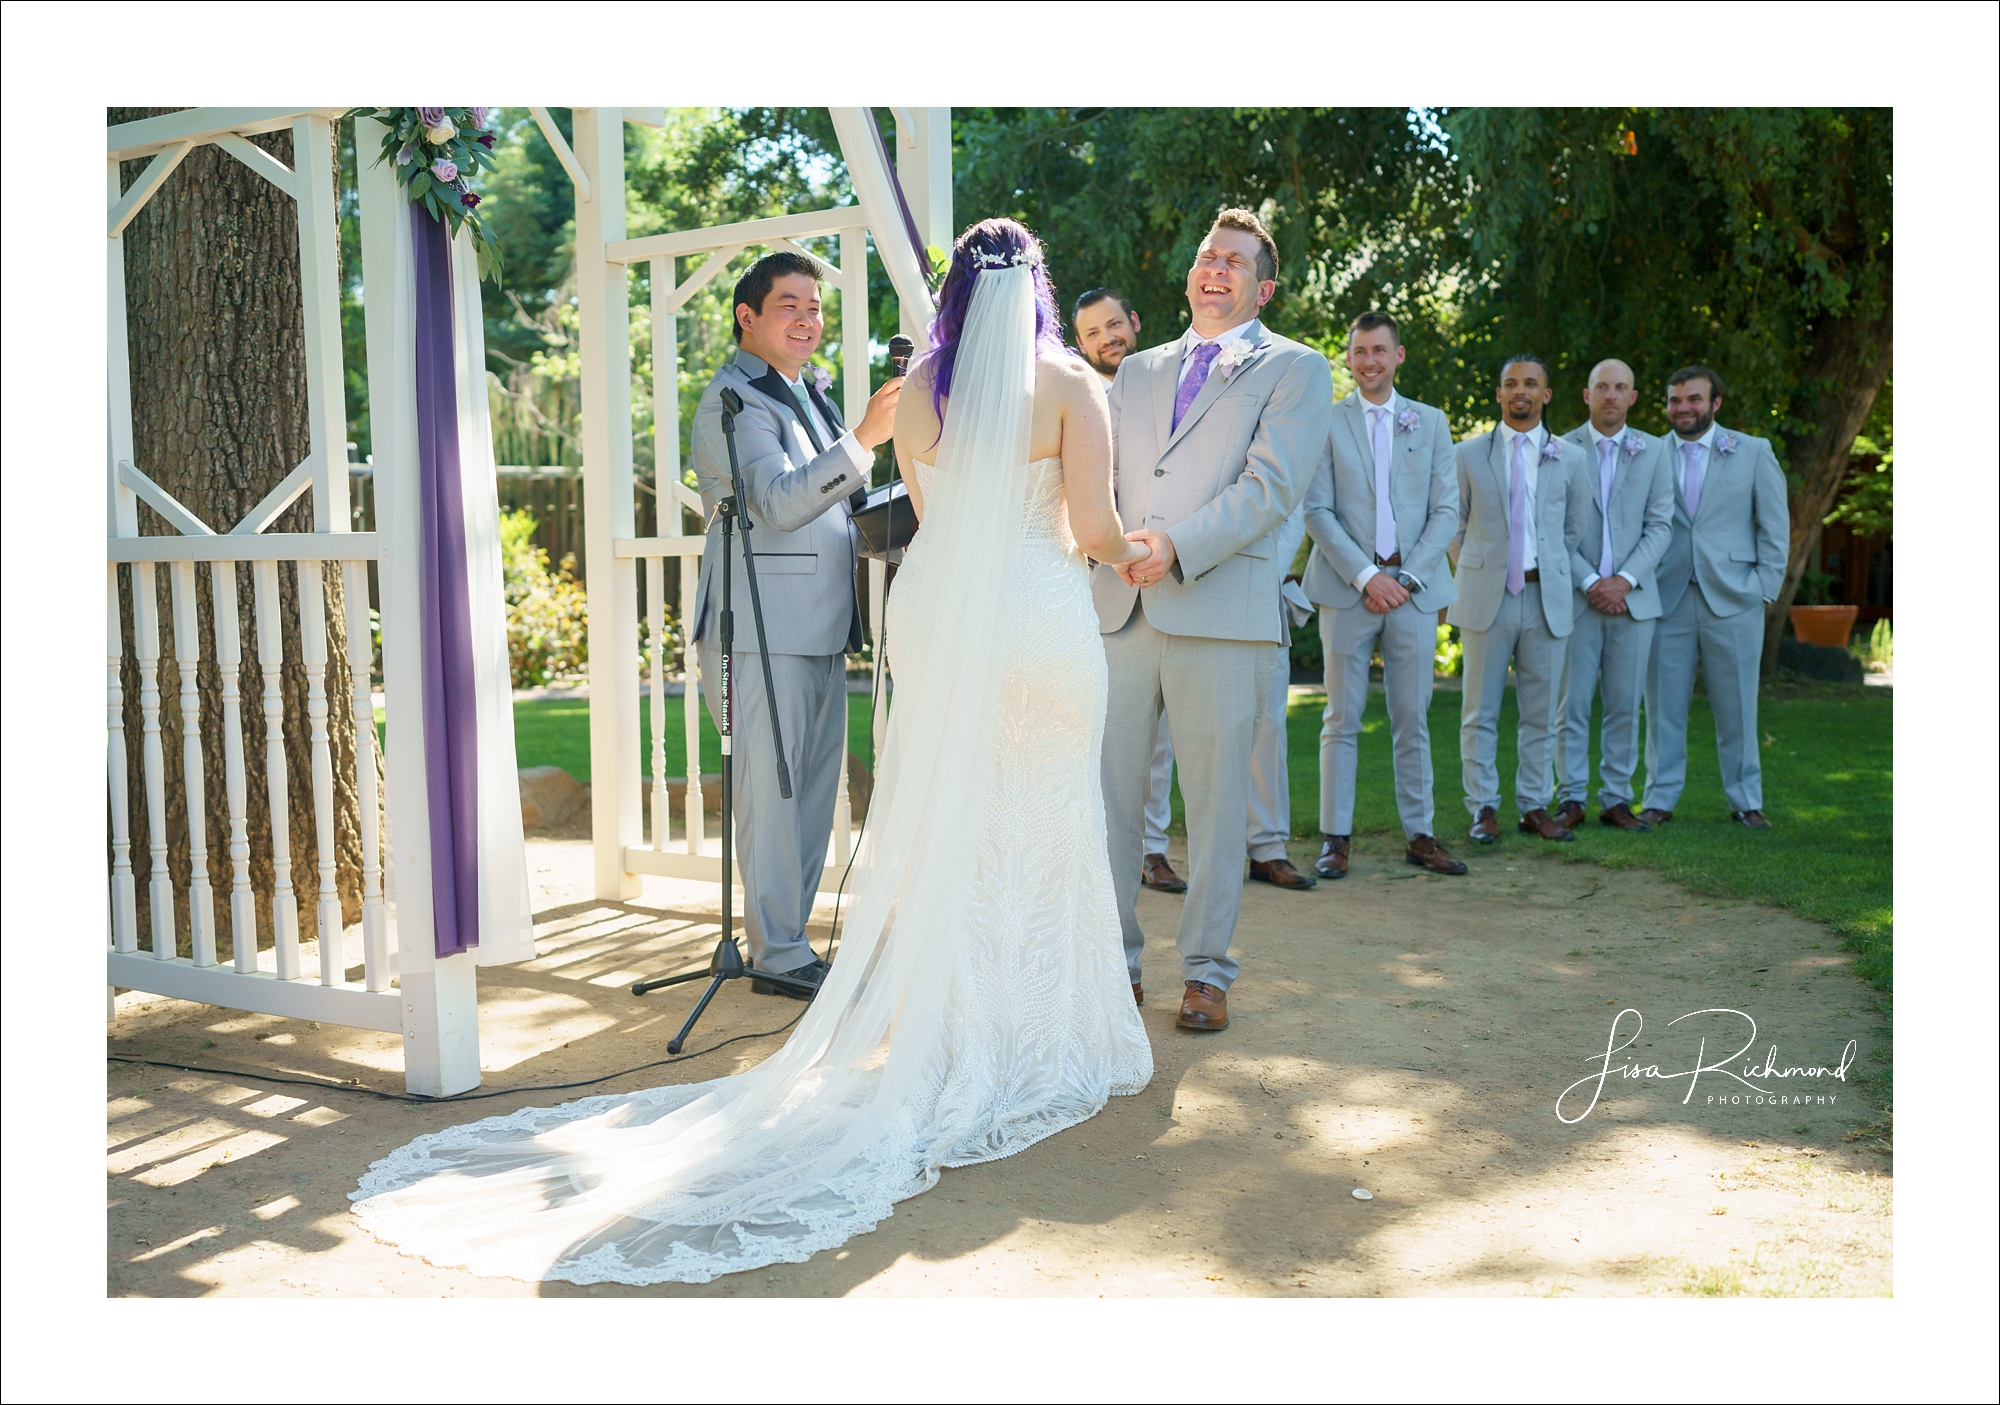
pixel 813 973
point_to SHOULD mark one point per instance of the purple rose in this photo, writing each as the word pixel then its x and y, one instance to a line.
pixel 1552 449
pixel 478 115
pixel 1633 443
pixel 430 116
pixel 485 139
pixel 446 171
pixel 1725 443
pixel 1408 421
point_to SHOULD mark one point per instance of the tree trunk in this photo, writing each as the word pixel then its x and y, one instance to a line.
pixel 1850 364
pixel 216 324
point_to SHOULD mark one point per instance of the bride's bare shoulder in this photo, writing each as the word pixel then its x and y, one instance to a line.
pixel 1066 377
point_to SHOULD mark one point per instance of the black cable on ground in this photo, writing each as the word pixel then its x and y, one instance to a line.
pixel 357 1087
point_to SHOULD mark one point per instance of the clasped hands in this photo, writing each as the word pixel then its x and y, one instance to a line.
pixel 1607 593
pixel 1153 558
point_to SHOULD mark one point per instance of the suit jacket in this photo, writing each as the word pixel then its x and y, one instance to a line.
pixel 1642 517
pixel 1423 494
pixel 1221 486
pixel 1563 491
pixel 1740 538
pixel 798 508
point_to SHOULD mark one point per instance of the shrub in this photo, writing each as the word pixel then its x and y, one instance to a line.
pixel 546 635
pixel 1878 655
pixel 1450 652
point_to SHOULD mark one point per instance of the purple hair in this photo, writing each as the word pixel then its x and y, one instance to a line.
pixel 996 236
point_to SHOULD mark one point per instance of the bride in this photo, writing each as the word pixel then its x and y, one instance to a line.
pixel 980 1000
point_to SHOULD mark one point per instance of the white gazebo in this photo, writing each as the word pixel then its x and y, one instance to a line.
pixel 405 987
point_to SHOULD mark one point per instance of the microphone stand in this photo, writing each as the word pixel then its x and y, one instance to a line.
pixel 726 962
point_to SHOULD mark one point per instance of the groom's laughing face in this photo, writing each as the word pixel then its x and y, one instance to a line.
pixel 1223 289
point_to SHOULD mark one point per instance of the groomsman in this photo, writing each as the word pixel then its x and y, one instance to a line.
pixel 1725 562
pixel 1523 494
pixel 1381 514
pixel 1626 528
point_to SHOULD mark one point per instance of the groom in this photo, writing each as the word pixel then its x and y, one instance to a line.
pixel 803 473
pixel 1215 436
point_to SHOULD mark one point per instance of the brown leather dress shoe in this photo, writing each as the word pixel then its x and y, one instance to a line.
pixel 1543 825
pixel 1204 1007
pixel 1160 878
pixel 1426 853
pixel 1653 819
pixel 1332 860
pixel 1750 819
pixel 1279 873
pixel 1138 994
pixel 1569 814
pixel 1486 829
pixel 1620 816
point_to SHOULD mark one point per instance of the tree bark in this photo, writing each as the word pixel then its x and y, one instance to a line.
pixel 1850 364
pixel 216 324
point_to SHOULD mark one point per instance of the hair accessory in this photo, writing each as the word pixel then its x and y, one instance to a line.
pixel 1016 259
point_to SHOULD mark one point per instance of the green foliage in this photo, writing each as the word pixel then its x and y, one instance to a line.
pixel 546 619
pixel 1878 653
pixel 1724 236
pixel 1815 588
pixel 435 152
pixel 1450 652
pixel 1867 506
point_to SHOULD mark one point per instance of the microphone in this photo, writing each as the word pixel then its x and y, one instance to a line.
pixel 901 349
pixel 731 401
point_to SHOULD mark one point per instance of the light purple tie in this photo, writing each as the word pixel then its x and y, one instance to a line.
pixel 1517 518
pixel 1607 464
pixel 1691 477
pixel 1385 518
pixel 1195 379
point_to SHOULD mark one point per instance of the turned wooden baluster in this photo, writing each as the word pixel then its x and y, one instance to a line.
pixel 146 633
pixel 312 641
pixel 360 657
pixel 691 705
pixel 124 899
pixel 270 661
pixel 229 660
pixel 187 653
pixel 655 569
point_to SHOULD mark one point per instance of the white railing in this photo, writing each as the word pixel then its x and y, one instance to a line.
pixel 431 1001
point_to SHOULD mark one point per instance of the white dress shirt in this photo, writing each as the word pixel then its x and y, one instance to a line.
pixel 1596 440
pixel 1394 407
pixel 863 459
pixel 1189 341
pixel 1536 437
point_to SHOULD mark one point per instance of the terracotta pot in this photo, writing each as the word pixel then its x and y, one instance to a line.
pixel 1825 625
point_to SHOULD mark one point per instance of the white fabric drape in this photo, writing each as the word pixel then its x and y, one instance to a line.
pixel 853 1114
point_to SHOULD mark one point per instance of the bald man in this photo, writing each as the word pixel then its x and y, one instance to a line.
pixel 1616 599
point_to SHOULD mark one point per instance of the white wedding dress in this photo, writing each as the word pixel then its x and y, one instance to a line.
pixel 979 1000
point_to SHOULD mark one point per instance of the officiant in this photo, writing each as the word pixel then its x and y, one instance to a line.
pixel 804 473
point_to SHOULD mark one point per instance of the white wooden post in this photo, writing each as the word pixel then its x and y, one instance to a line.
pixel 667 480
pixel 605 347
pixel 229 659
pixel 312 640
pixel 360 660
pixel 122 513
pixel 270 660
pixel 146 633
pixel 319 259
pixel 187 655
pixel 439 997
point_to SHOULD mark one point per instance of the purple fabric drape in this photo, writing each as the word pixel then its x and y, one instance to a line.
pixel 451 736
pixel 902 200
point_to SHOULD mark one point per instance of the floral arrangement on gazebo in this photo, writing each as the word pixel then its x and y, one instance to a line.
pixel 435 151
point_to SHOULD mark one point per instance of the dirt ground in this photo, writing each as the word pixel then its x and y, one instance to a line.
pixel 1395 1032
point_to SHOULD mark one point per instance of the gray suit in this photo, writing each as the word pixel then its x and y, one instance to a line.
pixel 798 503
pixel 1200 645
pixel 1719 569
pixel 1610 652
pixel 1529 629
pixel 1340 515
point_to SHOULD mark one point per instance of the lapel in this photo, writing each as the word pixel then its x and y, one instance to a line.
pixel 1550 474
pixel 1165 372
pixel 772 385
pixel 1711 476
pixel 1354 420
pixel 825 407
pixel 1211 389
pixel 1496 464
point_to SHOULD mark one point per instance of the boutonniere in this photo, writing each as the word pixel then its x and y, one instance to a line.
pixel 1725 443
pixel 1552 449
pixel 822 378
pixel 1236 355
pixel 1407 422
pixel 1632 443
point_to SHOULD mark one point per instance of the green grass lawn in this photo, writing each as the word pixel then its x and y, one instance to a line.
pixel 1827 752
pixel 1827 756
